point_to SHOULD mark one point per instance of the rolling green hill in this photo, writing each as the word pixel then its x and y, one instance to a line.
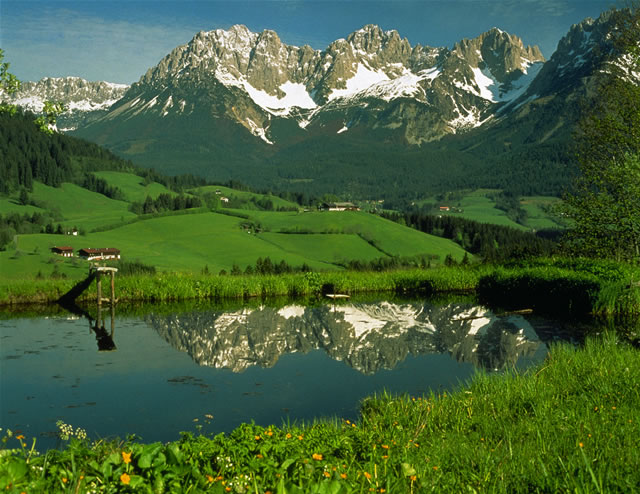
pixel 480 205
pixel 191 240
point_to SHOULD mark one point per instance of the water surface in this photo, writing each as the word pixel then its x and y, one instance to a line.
pixel 155 373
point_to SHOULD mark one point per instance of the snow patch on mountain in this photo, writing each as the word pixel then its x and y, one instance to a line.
pixel 296 95
pixel 363 79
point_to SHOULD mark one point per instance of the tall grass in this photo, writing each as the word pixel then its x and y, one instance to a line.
pixel 567 425
pixel 558 286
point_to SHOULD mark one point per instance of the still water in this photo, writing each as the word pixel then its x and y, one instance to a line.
pixel 155 370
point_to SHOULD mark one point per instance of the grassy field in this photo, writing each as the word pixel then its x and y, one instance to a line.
pixel 132 186
pixel 189 241
pixel 278 202
pixel 477 206
pixel 80 207
pixel 567 425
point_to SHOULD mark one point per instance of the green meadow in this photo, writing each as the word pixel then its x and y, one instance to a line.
pixel 243 195
pixel 133 186
pixel 192 240
pixel 478 206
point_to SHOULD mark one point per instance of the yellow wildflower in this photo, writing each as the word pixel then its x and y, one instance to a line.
pixel 125 479
pixel 126 457
pixel 316 456
pixel 209 478
pixel 368 475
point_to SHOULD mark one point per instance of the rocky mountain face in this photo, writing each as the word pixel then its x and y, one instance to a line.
pixel 253 79
pixel 243 105
pixel 368 337
pixel 84 101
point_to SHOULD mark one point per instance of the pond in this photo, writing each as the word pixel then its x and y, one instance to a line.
pixel 154 371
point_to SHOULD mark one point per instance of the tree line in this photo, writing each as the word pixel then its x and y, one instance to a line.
pixel 488 241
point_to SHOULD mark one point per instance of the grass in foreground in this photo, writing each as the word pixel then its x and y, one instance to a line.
pixel 570 424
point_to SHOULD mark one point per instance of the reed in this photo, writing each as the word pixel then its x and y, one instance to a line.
pixel 566 286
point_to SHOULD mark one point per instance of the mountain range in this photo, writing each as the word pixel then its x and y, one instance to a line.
pixel 367 337
pixel 370 115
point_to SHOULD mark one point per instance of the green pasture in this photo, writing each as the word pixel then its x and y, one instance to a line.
pixel 538 214
pixel 189 241
pixel 329 248
pixel 11 205
pixel 476 206
pixel 132 186
pixel 31 254
pixel 386 236
pixel 278 202
pixel 80 207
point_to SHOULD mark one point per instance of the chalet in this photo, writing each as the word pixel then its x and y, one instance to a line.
pixel 63 251
pixel 339 206
pixel 101 253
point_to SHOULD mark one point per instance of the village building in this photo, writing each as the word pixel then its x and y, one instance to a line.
pixel 339 206
pixel 102 253
pixel 65 251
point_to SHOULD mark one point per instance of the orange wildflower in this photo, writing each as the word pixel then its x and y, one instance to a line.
pixel 413 478
pixel 368 475
pixel 209 478
pixel 125 479
pixel 65 480
pixel 384 446
pixel 300 437
pixel 257 438
pixel 126 457
pixel 20 436
pixel 343 475
pixel 288 436
pixel 326 474
pixel 316 456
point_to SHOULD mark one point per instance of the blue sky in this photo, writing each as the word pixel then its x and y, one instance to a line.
pixel 117 40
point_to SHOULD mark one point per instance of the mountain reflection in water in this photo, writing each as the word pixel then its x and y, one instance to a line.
pixel 368 337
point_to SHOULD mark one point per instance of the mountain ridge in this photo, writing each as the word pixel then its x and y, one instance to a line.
pixel 489 111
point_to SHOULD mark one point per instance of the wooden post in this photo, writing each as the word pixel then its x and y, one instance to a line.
pixel 99 289
pixel 113 288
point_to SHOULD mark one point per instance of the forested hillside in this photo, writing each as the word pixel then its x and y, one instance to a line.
pixel 28 155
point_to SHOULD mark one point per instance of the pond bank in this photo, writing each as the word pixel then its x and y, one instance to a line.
pixel 547 285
